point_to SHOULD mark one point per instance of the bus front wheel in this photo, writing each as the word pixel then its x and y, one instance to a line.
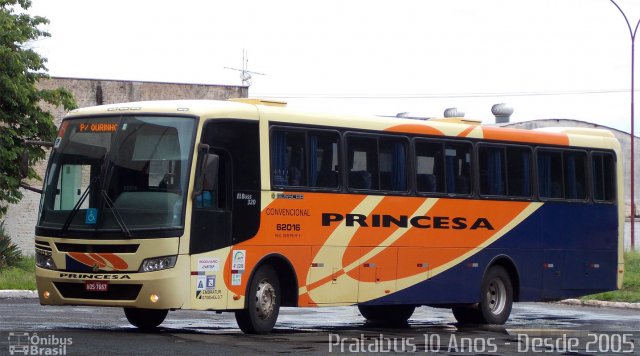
pixel 145 319
pixel 263 303
pixel 388 314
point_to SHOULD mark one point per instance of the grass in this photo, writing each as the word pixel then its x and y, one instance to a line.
pixel 630 291
pixel 21 276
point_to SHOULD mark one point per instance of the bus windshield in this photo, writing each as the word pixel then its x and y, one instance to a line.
pixel 126 175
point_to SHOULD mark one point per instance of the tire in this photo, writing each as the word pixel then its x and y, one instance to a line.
pixel 496 300
pixel 263 303
pixel 387 314
pixel 467 315
pixel 496 296
pixel 145 319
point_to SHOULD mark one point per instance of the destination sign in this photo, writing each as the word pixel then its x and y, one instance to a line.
pixel 98 127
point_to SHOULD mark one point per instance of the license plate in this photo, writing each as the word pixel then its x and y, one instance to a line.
pixel 96 286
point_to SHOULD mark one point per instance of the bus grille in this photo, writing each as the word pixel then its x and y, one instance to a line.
pixel 66 247
pixel 115 292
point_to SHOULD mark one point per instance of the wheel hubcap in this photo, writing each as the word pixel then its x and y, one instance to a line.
pixel 496 296
pixel 265 299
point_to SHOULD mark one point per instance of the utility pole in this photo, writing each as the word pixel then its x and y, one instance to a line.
pixel 633 33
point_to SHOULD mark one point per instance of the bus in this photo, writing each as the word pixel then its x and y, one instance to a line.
pixel 248 206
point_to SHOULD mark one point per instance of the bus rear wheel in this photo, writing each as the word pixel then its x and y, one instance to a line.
pixel 145 319
pixel 263 303
pixel 387 314
pixel 496 300
pixel 496 296
pixel 467 315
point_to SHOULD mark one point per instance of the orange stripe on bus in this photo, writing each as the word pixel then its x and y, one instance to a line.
pixel 515 135
pixel 441 246
pixel 117 262
pixel 369 238
pixel 440 243
pixel 416 129
pixel 109 261
pixel 467 131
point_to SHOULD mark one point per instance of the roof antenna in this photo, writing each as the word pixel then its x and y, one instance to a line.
pixel 245 73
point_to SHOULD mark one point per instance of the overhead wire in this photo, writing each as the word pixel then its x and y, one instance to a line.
pixel 433 95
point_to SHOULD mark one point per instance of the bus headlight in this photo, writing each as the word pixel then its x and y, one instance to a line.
pixel 158 263
pixel 44 260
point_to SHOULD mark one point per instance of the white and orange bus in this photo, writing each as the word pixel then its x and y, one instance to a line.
pixel 248 206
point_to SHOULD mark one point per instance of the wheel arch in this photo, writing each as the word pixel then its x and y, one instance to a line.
pixel 286 276
pixel 510 266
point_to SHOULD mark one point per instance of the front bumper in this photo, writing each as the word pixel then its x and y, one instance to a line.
pixel 128 289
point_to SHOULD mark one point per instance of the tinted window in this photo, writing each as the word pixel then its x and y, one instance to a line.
pixel 233 215
pixel 362 156
pixel 492 170
pixel 518 172
pixel 443 167
pixel 288 156
pixel 323 163
pixel 575 175
pixel 550 184
pixel 458 167
pixel 562 174
pixel 393 164
pixel 304 158
pixel 241 140
pixel 430 167
pixel 603 165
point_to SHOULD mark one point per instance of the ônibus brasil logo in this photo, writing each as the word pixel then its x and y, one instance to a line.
pixel 24 343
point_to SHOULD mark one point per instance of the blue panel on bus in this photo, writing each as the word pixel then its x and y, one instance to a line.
pixel 562 250
pixel 75 266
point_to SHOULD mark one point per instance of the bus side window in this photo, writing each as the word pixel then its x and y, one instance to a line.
pixel 505 170
pixel 362 153
pixel 458 167
pixel 288 158
pixel 393 165
pixel 603 177
pixel 492 170
pixel 519 172
pixel 323 159
pixel 429 167
pixel 575 175
pixel 550 174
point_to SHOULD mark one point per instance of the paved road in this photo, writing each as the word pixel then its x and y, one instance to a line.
pixel 105 331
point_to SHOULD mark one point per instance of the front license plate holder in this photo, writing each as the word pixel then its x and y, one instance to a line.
pixel 96 286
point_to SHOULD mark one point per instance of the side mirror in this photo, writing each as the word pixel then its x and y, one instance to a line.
pixel 24 164
pixel 24 172
pixel 210 169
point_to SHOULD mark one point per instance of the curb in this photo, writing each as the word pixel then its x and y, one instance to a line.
pixel 18 294
pixel 600 304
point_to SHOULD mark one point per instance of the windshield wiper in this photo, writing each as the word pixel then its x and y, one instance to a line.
pixel 116 213
pixel 83 197
pixel 76 207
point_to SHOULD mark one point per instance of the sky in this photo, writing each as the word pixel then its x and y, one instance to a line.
pixel 566 59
